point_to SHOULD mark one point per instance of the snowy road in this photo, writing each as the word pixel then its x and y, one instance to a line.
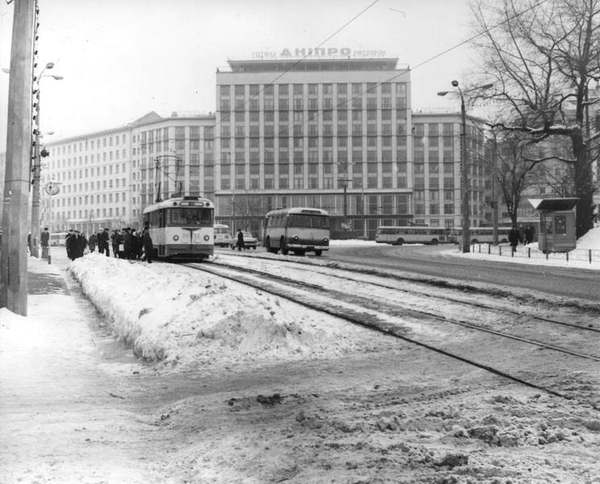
pixel 242 386
pixel 431 260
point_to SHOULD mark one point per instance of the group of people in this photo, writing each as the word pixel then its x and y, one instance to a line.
pixel 521 235
pixel 126 243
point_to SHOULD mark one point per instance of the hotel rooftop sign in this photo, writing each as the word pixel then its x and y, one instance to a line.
pixel 318 53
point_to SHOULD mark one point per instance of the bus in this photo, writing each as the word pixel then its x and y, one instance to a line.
pixel 297 229
pixel 222 235
pixel 484 235
pixel 182 227
pixel 57 238
pixel 412 234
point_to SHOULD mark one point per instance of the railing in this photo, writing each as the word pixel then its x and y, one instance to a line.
pixel 590 256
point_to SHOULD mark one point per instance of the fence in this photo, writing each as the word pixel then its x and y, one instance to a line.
pixel 590 256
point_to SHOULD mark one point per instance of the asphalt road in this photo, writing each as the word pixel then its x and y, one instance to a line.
pixel 434 261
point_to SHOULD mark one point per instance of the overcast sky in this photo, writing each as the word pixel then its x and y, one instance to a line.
pixel 123 58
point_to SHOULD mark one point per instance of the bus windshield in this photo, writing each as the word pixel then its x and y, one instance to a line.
pixel 308 221
pixel 177 217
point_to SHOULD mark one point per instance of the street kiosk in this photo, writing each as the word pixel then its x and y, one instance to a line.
pixel 557 224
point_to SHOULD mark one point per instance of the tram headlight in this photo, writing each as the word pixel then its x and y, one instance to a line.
pixel 206 237
pixel 176 237
pixel 295 238
pixel 325 240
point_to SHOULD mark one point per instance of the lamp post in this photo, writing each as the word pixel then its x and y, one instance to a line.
pixel 37 155
pixel 464 175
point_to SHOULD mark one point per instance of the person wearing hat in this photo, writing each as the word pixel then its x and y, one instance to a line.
pixel 103 242
pixel 45 242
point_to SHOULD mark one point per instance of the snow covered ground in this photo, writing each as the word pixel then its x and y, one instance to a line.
pixel 179 316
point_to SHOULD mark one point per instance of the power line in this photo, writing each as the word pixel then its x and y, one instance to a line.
pixel 329 37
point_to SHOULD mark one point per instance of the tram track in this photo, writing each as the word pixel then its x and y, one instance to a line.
pixel 402 310
pixel 336 304
pixel 326 270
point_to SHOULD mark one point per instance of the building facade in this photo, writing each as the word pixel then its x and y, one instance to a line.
pixel 333 134
pixel 437 171
pixel 106 178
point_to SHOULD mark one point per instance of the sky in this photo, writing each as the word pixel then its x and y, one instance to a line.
pixel 122 59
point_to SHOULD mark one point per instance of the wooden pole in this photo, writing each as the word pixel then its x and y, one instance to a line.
pixel 35 187
pixel 13 260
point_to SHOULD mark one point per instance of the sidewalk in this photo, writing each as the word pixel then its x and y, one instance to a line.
pixel 62 418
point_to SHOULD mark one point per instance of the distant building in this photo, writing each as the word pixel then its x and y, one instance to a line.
pixel 436 170
pixel 107 177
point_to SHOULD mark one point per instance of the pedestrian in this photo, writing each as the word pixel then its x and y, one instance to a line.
pixel 147 243
pixel 70 244
pixel 240 240
pixel 529 234
pixel 128 249
pixel 103 242
pixel 92 241
pixel 138 244
pixel 115 240
pixel 513 238
pixel 45 242
pixel 29 246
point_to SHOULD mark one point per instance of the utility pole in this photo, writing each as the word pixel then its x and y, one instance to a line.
pixel 464 177
pixel 494 201
pixel 13 260
pixel 35 185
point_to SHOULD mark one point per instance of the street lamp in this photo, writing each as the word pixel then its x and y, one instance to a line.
pixel 464 176
pixel 37 165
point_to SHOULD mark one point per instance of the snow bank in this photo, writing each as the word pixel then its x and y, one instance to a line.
pixel 591 240
pixel 351 243
pixel 180 315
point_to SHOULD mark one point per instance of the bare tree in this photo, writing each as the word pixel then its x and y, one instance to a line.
pixel 543 55
pixel 515 169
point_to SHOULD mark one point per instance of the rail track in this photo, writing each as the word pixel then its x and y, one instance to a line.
pixel 326 270
pixel 371 315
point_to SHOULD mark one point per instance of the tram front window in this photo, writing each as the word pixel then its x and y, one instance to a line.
pixel 190 217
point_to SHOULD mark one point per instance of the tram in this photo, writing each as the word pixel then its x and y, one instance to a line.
pixel 181 227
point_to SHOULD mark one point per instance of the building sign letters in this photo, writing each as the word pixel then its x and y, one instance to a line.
pixel 317 52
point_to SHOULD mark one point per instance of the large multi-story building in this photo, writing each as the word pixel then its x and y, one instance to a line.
pixel 333 134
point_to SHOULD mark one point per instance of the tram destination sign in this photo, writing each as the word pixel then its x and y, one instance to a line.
pixel 318 52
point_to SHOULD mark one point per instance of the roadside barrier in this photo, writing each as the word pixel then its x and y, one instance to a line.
pixel 591 256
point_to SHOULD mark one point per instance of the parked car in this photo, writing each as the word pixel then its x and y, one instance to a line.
pixel 250 242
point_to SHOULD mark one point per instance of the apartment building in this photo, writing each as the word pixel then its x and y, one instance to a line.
pixel 436 170
pixel 106 178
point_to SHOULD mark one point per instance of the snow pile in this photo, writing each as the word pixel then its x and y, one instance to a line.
pixel 351 243
pixel 591 240
pixel 179 315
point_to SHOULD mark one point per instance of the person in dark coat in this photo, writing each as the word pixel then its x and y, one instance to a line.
pixel 45 242
pixel 92 241
pixel 70 244
pixel 128 244
pixel 147 242
pixel 529 234
pixel 240 240
pixel 513 238
pixel 103 242
pixel 29 245
pixel 138 244
pixel 81 244
pixel 115 239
